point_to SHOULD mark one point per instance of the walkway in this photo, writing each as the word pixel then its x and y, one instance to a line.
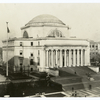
pixel 95 92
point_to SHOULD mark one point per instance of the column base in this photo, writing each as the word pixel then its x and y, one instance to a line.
pixel 77 65
pixel 74 65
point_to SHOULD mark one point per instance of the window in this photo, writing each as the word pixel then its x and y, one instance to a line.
pixel 25 34
pixel 21 44
pixel 38 53
pixel 21 52
pixel 93 46
pixel 38 58
pixel 31 54
pixel 31 61
pixel 96 47
pixel 31 43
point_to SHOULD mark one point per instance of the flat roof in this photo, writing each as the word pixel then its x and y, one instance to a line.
pixel 42 38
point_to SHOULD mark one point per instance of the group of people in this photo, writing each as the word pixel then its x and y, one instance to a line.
pixel 74 94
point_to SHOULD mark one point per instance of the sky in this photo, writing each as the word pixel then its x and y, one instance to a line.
pixel 82 18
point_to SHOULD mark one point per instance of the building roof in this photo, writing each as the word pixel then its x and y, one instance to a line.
pixel 45 20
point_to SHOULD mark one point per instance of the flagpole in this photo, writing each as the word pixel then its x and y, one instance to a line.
pixel 7 53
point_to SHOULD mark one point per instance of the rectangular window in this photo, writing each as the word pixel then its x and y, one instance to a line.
pixel 21 44
pixel 31 61
pixel 21 52
pixel 38 58
pixel 96 47
pixel 31 43
pixel 92 46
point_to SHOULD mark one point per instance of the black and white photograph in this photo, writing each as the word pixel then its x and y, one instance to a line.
pixel 49 50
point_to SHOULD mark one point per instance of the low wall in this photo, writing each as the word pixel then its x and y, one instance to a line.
pixel 52 72
pixel 95 69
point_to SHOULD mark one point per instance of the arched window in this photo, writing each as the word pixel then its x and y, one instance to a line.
pixel 55 33
pixel 25 34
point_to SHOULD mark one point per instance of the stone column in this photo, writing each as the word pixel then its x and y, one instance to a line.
pixel 81 57
pixel 56 58
pixel 47 58
pixel 60 58
pixel 74 58
pixel 52 58
pixel 85 52
pixel 78 57
pixel 70 62
pixel 65 59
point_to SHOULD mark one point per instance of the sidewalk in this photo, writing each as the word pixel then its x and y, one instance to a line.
pixel 2 78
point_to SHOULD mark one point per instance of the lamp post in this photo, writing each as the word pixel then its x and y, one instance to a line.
pixel 28 70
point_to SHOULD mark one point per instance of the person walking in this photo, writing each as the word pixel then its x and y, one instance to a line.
pixel 72 89
pixel 75 93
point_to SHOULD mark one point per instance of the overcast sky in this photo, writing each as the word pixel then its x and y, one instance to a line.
pixel 84 19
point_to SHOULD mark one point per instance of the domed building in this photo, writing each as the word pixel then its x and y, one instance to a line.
pixel 45 44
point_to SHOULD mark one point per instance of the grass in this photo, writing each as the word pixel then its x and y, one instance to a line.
pixel 17 89
pixel 18 76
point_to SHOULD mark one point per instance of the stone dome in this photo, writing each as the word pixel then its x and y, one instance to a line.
pixel 45 20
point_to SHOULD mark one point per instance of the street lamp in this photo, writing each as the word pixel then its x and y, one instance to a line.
pixel 28 70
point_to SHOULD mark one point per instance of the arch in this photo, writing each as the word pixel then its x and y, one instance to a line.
pixel 25 34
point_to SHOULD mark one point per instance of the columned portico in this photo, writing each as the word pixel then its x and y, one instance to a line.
pixel 65 57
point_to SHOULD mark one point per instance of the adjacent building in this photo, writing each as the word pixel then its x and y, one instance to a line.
pixel 94 52
pixel 45 43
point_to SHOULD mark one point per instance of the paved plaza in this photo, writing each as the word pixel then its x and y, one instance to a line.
pixel 2 78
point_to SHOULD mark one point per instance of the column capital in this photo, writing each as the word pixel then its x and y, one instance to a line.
pixel 46 49
pixel 52 49
pixel 56 49
pixel 77 49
